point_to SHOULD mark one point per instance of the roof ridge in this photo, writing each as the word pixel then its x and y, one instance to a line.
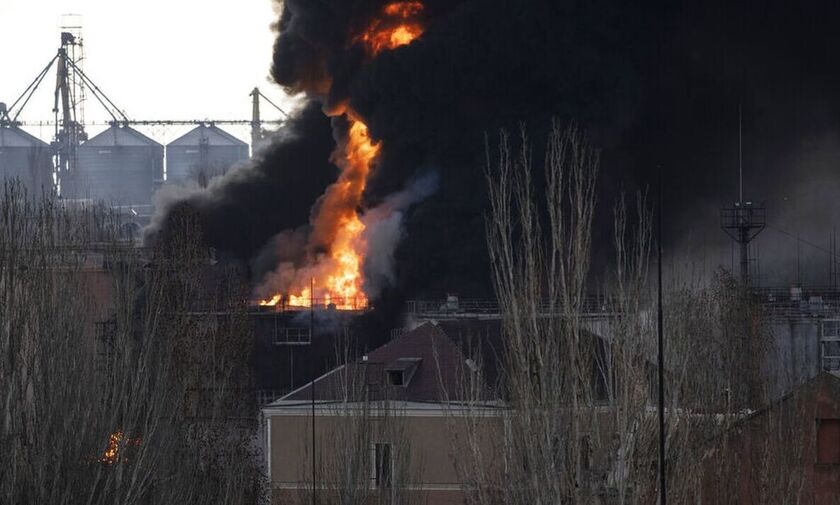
pixel 126 130
pixel 209 128
pixel 25 134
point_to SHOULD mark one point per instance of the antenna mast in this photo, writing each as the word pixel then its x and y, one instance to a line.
pixel 743 221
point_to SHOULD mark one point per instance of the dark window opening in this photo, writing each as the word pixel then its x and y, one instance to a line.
pixel 828 441
pixel 395 377
pixel 383 465
pixel 401 371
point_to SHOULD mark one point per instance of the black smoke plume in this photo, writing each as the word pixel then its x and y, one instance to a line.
pixel 274 191
pixel 654 84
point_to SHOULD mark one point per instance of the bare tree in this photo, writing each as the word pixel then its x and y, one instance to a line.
pixel 540 275
pixel 577 416
pixel 102 346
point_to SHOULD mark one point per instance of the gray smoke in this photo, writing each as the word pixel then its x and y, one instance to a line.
pixel 384 228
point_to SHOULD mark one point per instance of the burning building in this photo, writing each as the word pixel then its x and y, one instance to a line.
pixel 374 191
pixel 407 114
pixel 338 243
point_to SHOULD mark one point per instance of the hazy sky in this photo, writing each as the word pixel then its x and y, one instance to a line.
pixel 156 59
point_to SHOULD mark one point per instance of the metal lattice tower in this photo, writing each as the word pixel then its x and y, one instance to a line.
pixel 72 24
pixel 743 221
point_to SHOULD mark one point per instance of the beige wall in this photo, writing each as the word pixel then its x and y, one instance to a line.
pixel 433 441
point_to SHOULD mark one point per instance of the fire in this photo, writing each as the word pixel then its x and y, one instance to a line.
pixel 397 26
pixel 404 10
pixel 271 302
pixel 116 442
pixel 336 274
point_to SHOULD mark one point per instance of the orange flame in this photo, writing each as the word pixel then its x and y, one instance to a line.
pixel 398 26
pixel 337 227
pixel 117 441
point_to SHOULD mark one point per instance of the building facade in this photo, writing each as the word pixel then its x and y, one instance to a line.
pixel 386 428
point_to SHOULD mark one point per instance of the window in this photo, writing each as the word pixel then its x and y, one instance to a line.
pixel 401 371
pixel 828 441
pixel 830 355
pixel 830 345
pixel 382 465
pixel 395 377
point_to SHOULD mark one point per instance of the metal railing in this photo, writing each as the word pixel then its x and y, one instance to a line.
pixel 798 302
pixel 456 307
pixel 775 303
pixel 283 305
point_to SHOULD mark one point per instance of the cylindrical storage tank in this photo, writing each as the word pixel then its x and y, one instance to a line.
pixel 26 158
pixel 119 166
pixel 202 154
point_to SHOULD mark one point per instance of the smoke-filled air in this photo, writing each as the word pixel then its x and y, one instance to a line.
pixel 428 252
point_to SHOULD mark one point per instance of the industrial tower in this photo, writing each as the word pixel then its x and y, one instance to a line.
pixel 744 220
pixel 71 91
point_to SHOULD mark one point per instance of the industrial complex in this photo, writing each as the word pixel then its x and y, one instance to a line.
pixel 383 303
pixel 120 166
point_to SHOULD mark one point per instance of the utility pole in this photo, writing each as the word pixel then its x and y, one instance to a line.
pixel 312 386
pixel 661 350
pixel 256 125
pixel 256 131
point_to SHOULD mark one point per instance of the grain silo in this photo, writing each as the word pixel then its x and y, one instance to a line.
pixel 203 153
pixel 120 166
pixel 26 158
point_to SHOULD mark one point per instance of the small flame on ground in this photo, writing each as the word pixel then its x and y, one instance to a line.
pixel 116 442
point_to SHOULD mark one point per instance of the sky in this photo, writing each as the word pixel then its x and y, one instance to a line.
pixel 157 59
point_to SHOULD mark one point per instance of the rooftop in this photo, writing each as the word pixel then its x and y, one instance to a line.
pixel 15 137
pixel 421 365
pixel 211 135
pixel 121 136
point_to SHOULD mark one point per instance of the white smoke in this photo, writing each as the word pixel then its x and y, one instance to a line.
pixel 384 229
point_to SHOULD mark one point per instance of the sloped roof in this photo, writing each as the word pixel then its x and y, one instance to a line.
pixel 480 340
pixel 446 352
pixel 121 136
pixel 440 366
pixel 809 391
pixel 212 134
pixel 15 137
